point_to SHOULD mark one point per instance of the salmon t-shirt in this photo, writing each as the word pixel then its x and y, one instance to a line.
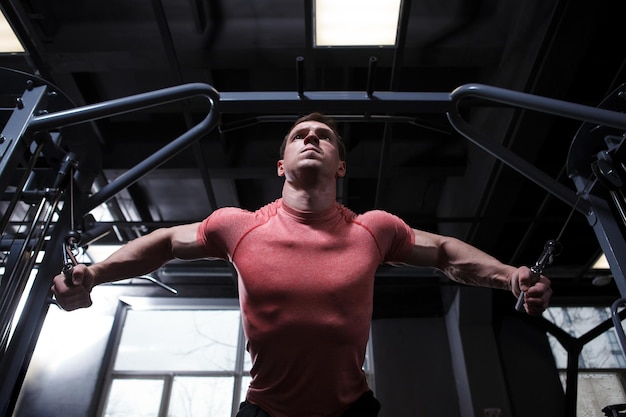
pixel 306 283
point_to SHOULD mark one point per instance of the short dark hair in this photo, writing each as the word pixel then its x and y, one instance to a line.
pixel 322 118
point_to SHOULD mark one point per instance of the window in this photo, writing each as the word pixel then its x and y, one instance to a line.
pixel 603 352
pixel 600 363
pixel 177 361
pixel 178 358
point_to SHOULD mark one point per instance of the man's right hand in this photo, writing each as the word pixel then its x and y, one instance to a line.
pixel 74 294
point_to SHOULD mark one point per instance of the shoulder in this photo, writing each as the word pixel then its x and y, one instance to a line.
pixel 371 218
pixel 382 223
pixel 229 215
pixel 380 218
pixel 220 232
pixel 393 235
pixel 267 210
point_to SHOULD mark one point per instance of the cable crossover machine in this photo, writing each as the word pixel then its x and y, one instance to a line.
pixel 46 184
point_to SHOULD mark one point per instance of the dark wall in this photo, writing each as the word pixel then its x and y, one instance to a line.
pixel 413 368
pixel 468 363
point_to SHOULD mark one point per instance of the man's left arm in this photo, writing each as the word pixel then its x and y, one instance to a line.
pixel 466 264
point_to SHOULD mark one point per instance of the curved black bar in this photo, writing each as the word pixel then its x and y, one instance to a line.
pixel 124 105
pixel 539 103
pixel 153 161
pixel 130 104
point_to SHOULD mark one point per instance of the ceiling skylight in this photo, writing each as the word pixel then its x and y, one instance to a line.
pixel 356 22
pixel 8 40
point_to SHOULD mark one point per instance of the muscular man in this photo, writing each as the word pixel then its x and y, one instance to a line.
pixel 306 268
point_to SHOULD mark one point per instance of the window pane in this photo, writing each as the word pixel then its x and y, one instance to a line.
pixel 245 382
pixel 178 340
pixel 603 352
pixel 189 355
pixel 134 398
pixel 211 397
pixel 247 362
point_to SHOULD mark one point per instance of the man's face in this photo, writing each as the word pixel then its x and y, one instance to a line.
pixel 311 144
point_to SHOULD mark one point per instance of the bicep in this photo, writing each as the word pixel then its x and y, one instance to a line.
pixel 184 242
pixel 426 250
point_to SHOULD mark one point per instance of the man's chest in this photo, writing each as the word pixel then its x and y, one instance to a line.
pixel 307 260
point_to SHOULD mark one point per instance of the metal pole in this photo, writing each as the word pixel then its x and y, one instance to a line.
pixel 124 105
pixel 20 348
pixel 130 104
pixel 539 103
pixel 144 167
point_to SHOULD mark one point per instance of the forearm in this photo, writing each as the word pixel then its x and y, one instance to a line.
pixel 138 257
pixel 468 265
pixel 459 261
pixel 465 264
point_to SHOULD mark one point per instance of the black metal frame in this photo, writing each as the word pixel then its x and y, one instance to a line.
pixel 17 355
pixel 588 201
pixel 28 118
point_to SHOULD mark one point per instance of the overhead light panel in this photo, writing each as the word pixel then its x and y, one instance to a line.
pixel 9 42
pixel 356 22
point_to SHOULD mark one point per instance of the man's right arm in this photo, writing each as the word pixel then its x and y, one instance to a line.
pixel 138 257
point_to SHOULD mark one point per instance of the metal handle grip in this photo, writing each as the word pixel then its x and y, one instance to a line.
pixel 550 250
pixel 67 271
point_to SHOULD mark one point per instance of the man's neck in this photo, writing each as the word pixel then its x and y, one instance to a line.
pixel 309 199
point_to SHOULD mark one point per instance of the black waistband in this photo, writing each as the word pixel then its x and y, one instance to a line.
pixel 366 406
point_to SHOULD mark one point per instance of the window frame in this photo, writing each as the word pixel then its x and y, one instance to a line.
pixel 561 354
pixel 126 304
